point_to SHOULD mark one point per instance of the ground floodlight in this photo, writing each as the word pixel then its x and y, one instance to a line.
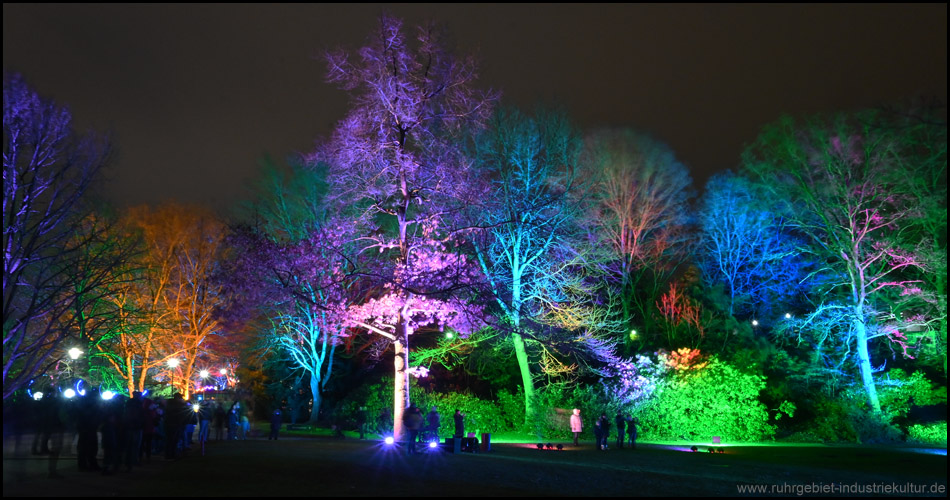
pixel 69 393
pixel 37 395
pixel 107 395
pixel 433 444
pixel 389 440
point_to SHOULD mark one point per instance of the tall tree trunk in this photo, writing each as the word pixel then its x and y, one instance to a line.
pixel 317 399
pixel 864 362
pixel 401 379
pixel 529 394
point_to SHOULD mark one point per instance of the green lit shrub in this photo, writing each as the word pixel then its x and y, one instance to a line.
pixel 932 434
pixel 712 400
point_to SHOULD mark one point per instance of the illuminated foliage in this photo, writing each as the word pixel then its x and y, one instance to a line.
pixel 715 400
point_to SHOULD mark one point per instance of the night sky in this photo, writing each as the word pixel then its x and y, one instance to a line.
pixel 195 95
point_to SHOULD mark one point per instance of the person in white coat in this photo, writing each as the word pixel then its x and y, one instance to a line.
pixel 576 425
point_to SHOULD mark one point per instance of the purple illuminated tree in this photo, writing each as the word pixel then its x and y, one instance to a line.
pixel 844 179
pixel 47 171
pixel 396 171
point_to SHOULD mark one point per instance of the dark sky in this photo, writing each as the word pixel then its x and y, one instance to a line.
pixel 195 95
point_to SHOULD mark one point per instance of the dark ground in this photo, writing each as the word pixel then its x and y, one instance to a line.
pixel 350 467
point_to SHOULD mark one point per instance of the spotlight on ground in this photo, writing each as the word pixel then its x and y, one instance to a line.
pixel 389 440
pixel 69 393
pixel 107 395
pixel 433 445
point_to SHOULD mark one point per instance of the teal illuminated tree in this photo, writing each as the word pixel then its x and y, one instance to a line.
pixel 531 250
pixel 844 179
pixel 397 175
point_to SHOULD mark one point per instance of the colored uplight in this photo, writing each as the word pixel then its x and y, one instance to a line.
pixel 173 362
pixel 37 395
pixel 389 440
pixel 433 444
pixel 107 395
pixel 74 353
pixel 69 393
pixel 633 334
pixel 204 373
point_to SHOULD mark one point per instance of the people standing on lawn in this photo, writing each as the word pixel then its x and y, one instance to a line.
pixel 275 421
pixel 434 421
pixel 632 432
pixel 577 426
pixel 234 421
pixel 361 421
pixel 621 435
pixel 459 424
pixel 602 431
pixel 412 420
pixel 220 418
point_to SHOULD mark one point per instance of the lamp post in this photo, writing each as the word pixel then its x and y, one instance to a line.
pixel 173 364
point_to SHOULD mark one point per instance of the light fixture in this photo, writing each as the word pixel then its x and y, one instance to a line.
pixel 755 322
pixel 223 371
pixel 389 440
pixel 173 362
pixel 204 373
pixel 69 393
pixel 788 315
pixel 74 353
pixel 107 395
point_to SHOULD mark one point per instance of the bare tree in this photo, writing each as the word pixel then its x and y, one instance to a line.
pixel 47 171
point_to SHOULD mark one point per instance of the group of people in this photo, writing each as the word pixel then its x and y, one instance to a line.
pixel 127 430
pixel 626 429
pixel 412 420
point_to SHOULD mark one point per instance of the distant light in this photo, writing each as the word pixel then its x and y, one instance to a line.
pixel 788 315
pixel 755 323
pixel 196 407
pixel 223 371
pixel 74 353
pixel 433 444
pixel 389 440
pixel 69 393
pixel 107 395
pixel 633 334
pixel 204 373
pixel 37 395
pixel 449 335
pixel 173 362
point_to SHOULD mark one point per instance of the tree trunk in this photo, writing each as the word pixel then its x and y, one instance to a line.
pixel 529 396
pixel 864 363
pixel 315 392
pixel 401 379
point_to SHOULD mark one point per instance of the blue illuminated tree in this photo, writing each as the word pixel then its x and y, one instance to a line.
pixel 746 246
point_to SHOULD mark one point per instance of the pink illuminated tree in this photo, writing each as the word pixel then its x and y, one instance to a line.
pixel 396 172
pixel 844 179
